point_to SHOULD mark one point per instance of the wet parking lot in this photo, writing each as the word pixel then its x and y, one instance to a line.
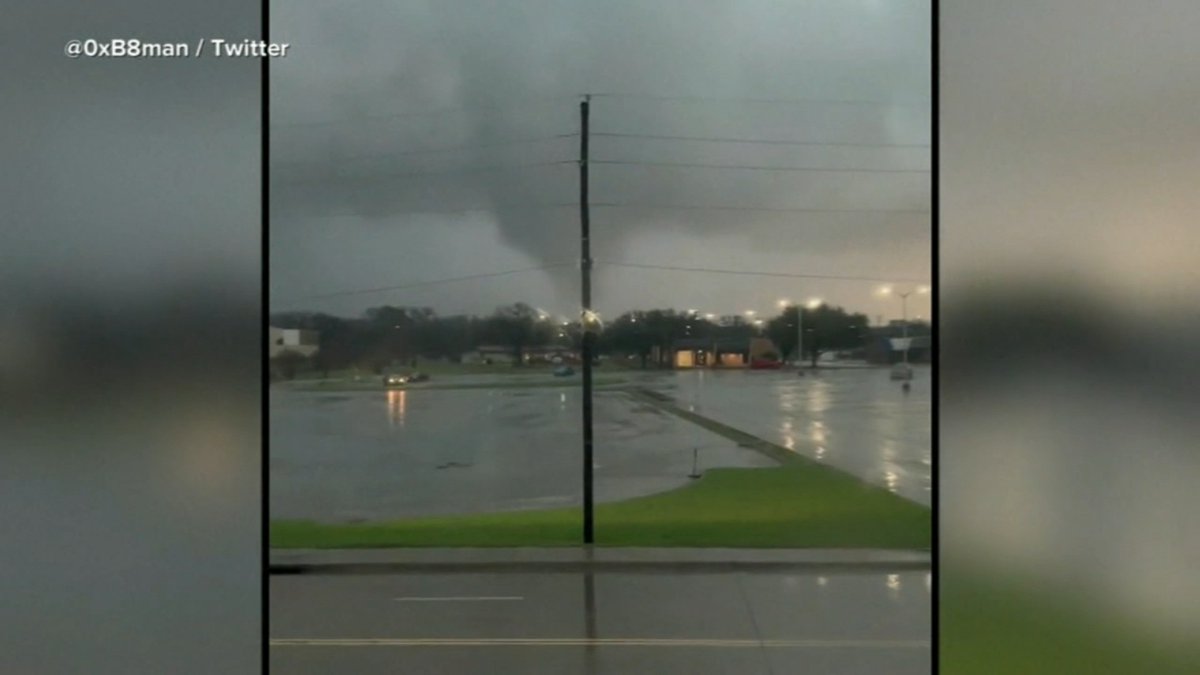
pixel 369 455
pixel 856 419
pixel 366 455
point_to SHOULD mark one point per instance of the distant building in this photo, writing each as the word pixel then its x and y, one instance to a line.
pixel 489 354
pixel 722 352
pixel 886 345
pixel 551 354
pixel 304 342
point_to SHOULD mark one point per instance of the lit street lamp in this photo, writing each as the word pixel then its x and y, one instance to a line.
pixel 889 291
pixel 813 303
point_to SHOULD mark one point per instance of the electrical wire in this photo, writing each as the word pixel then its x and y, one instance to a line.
pixel 759 141
pixel 756 273
pixel 427 151
pixel 417 174
pixel 762 209
pixel 768 101
pixel 682 165
pixel 615 205
pixel 478 209
pixel 422 284
pixel 404 114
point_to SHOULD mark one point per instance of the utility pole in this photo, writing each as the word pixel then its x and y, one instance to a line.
pixel 904 322
pixel 799 336
pixel 587 321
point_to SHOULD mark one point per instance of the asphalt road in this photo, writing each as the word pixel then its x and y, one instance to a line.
pixel 603 622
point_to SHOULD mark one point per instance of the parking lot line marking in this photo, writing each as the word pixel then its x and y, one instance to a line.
pixel 462 598
pixel 599 642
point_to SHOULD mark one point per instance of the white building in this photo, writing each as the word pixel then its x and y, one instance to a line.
pixel 292 339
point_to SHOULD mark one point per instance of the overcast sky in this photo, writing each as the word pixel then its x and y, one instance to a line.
pixel 366 89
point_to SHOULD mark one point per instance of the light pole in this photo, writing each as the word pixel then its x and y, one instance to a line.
pixel 813 303
pixel 919 290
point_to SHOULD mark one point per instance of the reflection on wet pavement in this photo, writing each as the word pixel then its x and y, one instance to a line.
pixel 371 455
pixel 855 419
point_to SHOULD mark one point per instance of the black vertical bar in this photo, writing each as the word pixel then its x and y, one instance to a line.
pixel 585 267
pixel 265 213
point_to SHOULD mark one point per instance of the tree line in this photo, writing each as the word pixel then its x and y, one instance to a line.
pixel 386 335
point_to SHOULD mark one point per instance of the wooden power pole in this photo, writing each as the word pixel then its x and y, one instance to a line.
pixel 587 323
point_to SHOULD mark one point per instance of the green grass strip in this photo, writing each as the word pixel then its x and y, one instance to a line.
pixel 796 506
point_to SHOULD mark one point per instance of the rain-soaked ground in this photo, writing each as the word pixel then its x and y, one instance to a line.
pixel 366 455
pixel 373 455
pixel 856 419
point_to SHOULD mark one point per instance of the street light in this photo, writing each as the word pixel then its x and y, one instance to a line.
pixel 812 303
pixel 889 291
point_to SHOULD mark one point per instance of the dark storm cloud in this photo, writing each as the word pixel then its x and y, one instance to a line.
pixel 511 71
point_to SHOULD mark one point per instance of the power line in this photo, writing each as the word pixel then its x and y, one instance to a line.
pixel 763 209
pixel 616 205
pixel 762 141
pixel 761 274
pixel 424 151
pixel 404 114
pixel 416 174
pixel 680 165
pixel 421 284
pixel 478 209
pixel 766 101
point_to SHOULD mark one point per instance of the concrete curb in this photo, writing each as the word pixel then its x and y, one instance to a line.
pixel 583 559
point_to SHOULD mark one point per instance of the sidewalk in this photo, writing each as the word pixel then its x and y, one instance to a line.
pixel 307 561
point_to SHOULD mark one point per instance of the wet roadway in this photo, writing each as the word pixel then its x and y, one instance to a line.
pixel 602 622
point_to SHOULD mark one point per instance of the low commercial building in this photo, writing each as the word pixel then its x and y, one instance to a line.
pixel 887 346
pixel 723 352
pixel 489 354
